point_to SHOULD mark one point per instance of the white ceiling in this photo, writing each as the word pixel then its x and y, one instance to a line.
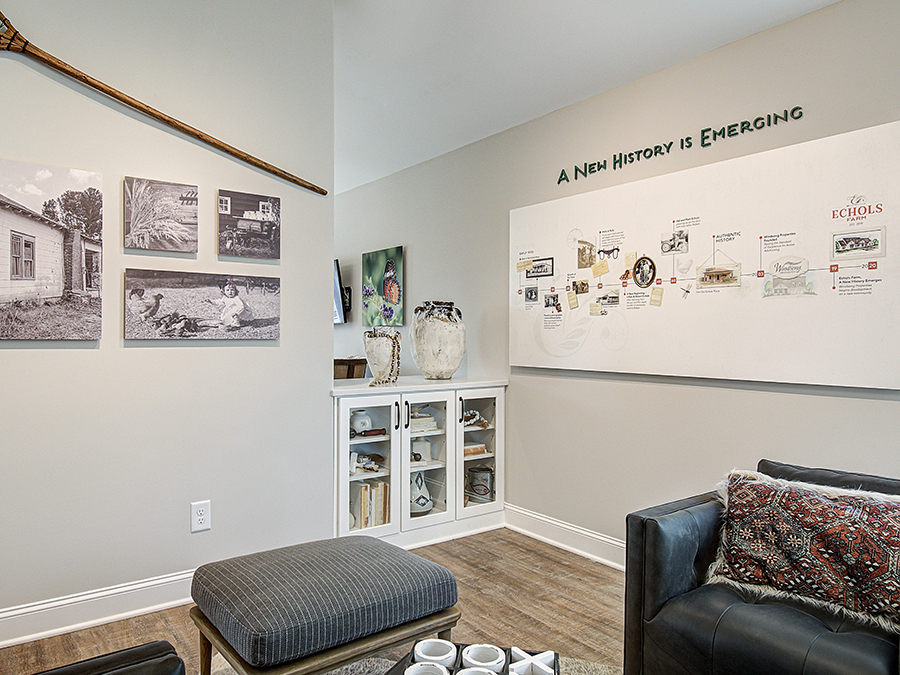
pixel 415 79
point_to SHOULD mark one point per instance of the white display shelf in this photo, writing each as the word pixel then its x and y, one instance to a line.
pixel 426 466
pixel 391 407
pixel 365 475
pixel 408 384
pixel 422 434
pixel 369 439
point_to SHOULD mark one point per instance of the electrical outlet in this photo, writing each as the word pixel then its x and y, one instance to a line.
pixel 200 516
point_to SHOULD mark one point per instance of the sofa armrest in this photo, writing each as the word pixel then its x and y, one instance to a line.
pixel 153 658
pixel 667 552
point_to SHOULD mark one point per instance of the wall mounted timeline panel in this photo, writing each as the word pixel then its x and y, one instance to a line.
pixel 783 266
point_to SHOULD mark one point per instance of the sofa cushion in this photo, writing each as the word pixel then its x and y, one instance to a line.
pixel 723 630
pixel 827 545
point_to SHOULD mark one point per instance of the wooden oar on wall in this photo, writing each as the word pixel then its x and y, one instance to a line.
pixel 11 40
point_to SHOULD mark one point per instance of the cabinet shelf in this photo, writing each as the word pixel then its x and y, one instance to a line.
pixel 472 458
pixel 422 434
pixel 369 439
pixel 365 475
pixel 490 427
pixel 427 466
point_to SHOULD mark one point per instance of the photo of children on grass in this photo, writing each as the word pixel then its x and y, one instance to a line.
pixel 189 305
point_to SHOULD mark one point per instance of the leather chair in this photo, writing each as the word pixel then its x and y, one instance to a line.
pixel 153 658
pixel 676 625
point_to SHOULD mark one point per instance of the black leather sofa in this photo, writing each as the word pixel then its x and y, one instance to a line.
pixel 153 658
pixel 676 625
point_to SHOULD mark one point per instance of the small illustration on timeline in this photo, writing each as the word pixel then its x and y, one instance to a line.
pixel 586 254
pixel 540 267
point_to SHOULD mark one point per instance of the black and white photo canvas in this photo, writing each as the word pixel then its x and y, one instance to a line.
pixel 191 305
pixel 160 216
pixel 51 250
pixel 249 225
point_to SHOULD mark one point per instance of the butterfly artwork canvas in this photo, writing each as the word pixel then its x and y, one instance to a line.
pixel 383 291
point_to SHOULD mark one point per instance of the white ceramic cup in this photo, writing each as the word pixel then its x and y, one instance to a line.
pixel 435 650
pixel 484 656
pixel 426 669
pixel 474 671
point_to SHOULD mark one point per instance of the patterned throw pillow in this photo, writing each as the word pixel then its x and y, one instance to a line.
pixel 829 546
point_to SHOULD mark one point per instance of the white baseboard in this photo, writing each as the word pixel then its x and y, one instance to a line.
pixel 593 545
pixel 47 618
pixel 56 616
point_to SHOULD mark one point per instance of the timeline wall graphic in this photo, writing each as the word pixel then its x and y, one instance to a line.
pixel 778 266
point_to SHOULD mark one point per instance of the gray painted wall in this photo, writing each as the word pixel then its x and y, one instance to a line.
pixel 587 448
pixel 104 445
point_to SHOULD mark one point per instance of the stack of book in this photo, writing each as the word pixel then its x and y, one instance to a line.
pixel 369 502
pixel 419 423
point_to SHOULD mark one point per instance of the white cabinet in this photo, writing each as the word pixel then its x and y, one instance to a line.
pixel 415 437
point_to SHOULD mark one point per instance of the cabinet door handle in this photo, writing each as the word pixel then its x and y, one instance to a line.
pixel 462 406
pixel 397 423
pixel 406 403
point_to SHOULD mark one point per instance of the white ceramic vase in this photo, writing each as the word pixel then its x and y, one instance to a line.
pixel 420 500
pixel 438 339
pixel 382 346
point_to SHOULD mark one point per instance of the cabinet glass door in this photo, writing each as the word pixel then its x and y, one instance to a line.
pixel 480 439
pixel 428 462
pixel 368 464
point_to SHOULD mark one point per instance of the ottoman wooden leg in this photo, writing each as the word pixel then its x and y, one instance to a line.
pixel 445 635
pixel 205 655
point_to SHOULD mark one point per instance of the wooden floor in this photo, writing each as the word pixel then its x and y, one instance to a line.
pixel 513 590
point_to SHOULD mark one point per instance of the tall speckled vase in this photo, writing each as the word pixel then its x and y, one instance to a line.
pixel 438 339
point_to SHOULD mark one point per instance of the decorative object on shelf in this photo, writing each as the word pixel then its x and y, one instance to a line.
pixel 369 432
pixel 421 451
pixel 480 481
pixel 473 449
pixel 12 41
pixel 420 500
pixel 438 339
pixel 383 354
pixel 420 422
pixel 382 291
pixel 361 463
pixel 360 421
pixel 473 418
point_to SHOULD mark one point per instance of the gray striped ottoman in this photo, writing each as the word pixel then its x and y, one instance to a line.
pixel 316 606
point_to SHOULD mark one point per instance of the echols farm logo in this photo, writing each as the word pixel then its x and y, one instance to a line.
pixel 856 210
